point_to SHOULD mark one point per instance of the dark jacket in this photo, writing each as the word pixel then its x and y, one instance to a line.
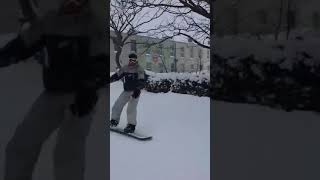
pixel 74 44
pixel 134 77
pixel 68 66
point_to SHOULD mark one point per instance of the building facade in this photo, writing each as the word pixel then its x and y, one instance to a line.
pixel 167 56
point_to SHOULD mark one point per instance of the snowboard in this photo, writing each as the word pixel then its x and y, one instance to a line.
pixel 132 135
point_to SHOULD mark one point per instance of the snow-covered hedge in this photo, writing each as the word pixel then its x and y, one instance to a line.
pixel 283 73
pixel 251 80
pixel 184 83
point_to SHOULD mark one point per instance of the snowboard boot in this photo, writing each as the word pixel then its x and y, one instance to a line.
pixel 130 128
pixel 114 123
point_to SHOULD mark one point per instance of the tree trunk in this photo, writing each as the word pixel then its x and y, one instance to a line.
pixel 278 29
pixel 289 20
pixel 117 41
pixel 118 58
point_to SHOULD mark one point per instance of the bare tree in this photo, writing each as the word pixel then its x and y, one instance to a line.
pixel 127 20
pixel 278 28
pixel 190 18
pixel 290 17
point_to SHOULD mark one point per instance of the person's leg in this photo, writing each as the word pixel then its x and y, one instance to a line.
pixel 24 148
pixel 119 104
pixel 69 153
pixel 132 111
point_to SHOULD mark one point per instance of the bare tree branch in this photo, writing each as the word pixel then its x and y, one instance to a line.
pixel 190 18
pixel 126 20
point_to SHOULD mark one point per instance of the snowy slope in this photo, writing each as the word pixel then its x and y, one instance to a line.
pixel 20 85
pixel 286 143
pixel 180 149
pixel 256 142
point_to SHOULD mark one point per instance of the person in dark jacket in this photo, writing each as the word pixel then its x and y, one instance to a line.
pixel 75 69
pixel 133 76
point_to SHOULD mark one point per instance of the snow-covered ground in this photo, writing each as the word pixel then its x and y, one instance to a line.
pixel 179 124
pixel 180 149
pixel 255 142
pixel 20 85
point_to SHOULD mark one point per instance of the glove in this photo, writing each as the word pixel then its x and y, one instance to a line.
pixel 115 77
pixel 15 51
pixel 8 53
pixel 84 102
pixel 136 93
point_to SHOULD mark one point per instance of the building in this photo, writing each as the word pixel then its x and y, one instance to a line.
pixel 167 56
pixel 192 57
pixel 260 17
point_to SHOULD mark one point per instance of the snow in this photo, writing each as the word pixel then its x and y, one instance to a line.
pixel 21 84
pixel 179 124
pixel 285 143
pixel 180 149
pixel 203 76
pixel 257 142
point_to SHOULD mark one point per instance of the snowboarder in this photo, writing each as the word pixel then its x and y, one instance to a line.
pixel 134 80
pixel 75 69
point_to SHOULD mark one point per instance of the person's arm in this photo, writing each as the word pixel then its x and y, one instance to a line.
pixel 16 50
pixel 117 76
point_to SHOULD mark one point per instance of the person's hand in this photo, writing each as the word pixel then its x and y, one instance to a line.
pixel 84 102
pixel 136 93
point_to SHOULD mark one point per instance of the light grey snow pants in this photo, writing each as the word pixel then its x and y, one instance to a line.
pixel 123 99
pixel 48 113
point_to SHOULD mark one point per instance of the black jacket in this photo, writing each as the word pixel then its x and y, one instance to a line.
pixel 134 77
pixel 68 65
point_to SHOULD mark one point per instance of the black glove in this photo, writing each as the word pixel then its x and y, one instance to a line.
pixel 136 93
pixel 115 77
pixel 15 51
pixel 8 53
pixel 84 102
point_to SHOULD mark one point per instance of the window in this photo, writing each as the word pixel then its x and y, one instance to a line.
pixel 147 48
pixel 172 50
pixel 148 58
pixel 133 45
pixel 192 67
pixel 316 20
pixel 148 51
pixel 149 66
pixel 200 53
pixel 172 67
pixel 191 52
pixel 161 68
pixel 262 17
pixel 182 68
pixel 160 48
pixel 182 52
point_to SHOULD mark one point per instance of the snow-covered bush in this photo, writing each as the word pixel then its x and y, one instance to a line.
pixel 184 83
pixel 283 72
pixel 251 80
